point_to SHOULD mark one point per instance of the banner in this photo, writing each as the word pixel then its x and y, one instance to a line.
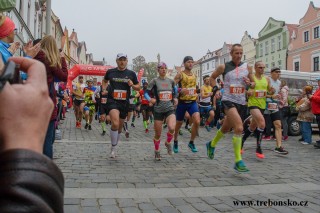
pixel 140 74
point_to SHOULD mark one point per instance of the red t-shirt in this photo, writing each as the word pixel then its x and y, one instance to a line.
pixel 144 101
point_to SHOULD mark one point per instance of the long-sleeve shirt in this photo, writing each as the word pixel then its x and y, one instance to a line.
pixel 4 50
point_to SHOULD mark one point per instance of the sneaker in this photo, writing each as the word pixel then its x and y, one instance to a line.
pixel 127 134
pixel 317 145
pixel 157 155
pixel 208 128
pixel 305 143
pixel 240 166
pixel 90 127
pixel 113 152
pixel 186 127
pixel 132 125
pixel 266 138
pixel 175 148
pixel 192 147
pixel 280 150
pixel 210 150
pixel 284 138
pixel 189 130
pixel 169 148
pixel 103 133
pixel 259 153
pixel 180 132
pixel 147 130
pixel 86 126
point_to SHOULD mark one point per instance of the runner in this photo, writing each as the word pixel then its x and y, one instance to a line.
pixel 78 101
pixel 103 107
pixel 205 104
pixel 131 110
pixel 187 103
pixel 273 109
pixel 237 76
pixel 90 101
pixel 121 80
pixel 146 107
pixel 164 101
pixel 257 105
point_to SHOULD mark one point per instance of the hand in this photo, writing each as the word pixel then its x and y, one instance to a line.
pixel 150 104
pixel 272 90
pixel 153 101
pixel 130 83
pixel 30 136
pixel 250 93
pixel 184 91
pixel 14 47
pixel 246 80
pixel 309 96
pixel 31 50
pixel 175 102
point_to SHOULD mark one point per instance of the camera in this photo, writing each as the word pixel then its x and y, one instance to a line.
pixel 10 73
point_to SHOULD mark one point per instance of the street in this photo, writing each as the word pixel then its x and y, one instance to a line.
pixel 185 182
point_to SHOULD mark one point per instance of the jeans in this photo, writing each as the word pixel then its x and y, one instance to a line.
pixel 284 112
pixel 48 143
pixel 306 131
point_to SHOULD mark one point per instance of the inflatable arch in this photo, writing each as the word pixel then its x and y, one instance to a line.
pixel 83 69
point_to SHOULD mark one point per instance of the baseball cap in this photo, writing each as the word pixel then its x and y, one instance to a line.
pixel 121 55
pixel 275 69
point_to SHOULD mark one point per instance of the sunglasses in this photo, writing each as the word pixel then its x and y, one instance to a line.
pixel 261 67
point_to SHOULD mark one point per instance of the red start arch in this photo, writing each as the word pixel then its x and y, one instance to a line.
pixel 83 69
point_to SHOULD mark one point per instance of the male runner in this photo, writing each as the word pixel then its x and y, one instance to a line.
pixel 205 103
pixel 237 76
pixel 121 80
pixel 78 101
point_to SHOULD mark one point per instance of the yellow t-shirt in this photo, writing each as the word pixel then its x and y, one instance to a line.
pixel 189 82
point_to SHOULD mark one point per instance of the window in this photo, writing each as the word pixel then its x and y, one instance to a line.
pixel 279 62
pixel 244 57
pixel 316 32
pixel 261 50
pixel 272 45
pixel 296 66
pixel 316 63
pixel 279 42
pixel 213 64
pixel 306 36
pixel 267 65
pixel 267 48
pixel 207 66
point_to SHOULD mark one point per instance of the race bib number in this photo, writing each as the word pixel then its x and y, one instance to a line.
pixel 272 106
pixel 103 100
pixel 120 94
pixel 165 96
pixel 236 89
pixel 260 93
pixel 191 91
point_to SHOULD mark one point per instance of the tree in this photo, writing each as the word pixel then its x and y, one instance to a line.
pixel 138 63
pixel 150 70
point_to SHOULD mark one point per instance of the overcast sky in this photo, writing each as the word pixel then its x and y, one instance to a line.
pixel 173 28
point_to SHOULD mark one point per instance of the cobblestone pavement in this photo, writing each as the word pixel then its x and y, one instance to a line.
pixel 185 182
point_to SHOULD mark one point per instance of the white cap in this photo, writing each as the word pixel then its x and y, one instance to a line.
pixel 121 55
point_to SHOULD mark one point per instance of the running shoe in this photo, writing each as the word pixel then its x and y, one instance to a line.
pixel 305 143
pixel 192 147
pixel 132 125
pixel 240 166
pixel 90 127
pixel 208 128
pixel 113 152
pixel 127 134
pixel 180 132
pixel 281 151
pixel 284 138
pixel 157 155
pixel 175 147
pixel 259 153
pixel 169 148
pixel 317 145
pixel 103 133
pixel 147 130
pixel 210 150
pixel 86 126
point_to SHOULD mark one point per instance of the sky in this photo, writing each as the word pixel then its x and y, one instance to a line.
pixel 172 28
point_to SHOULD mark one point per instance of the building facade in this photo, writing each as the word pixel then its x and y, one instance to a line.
pixel 273 41
pixel 304 48
pixel 249 49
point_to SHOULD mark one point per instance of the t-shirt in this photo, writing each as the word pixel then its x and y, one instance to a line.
pixel 163 90
pixel 258 98
pixel 188 82
pixel 89 95
pixel 144 101
pixel 79 89
pixel 119 89
pixel 206 90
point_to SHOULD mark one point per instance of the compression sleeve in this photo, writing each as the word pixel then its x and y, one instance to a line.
pixel 146 95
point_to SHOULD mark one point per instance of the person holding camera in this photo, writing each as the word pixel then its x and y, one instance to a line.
pixel 21 158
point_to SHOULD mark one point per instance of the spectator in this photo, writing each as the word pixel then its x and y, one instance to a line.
pixel 305 115
pixel 29 181
pixel 284 108
pixel 55 67
pixel 315 106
